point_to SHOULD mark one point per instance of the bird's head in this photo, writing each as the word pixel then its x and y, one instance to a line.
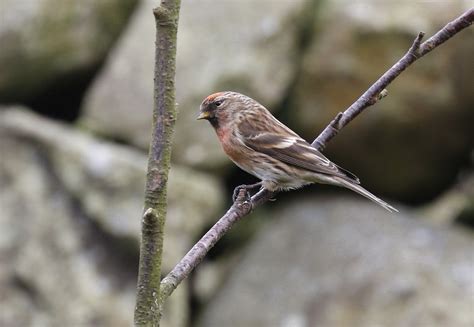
pixel 223 107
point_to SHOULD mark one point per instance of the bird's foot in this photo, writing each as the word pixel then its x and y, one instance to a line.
pixel 247 189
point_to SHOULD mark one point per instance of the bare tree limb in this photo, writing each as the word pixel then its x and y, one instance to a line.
pixel 372 95
pixel 242 206
pixel 238 210
pixel 148 308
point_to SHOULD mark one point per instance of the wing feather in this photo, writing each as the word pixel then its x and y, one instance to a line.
pixel 285 145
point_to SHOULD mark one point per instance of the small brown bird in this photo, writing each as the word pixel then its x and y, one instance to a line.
pixel 264 147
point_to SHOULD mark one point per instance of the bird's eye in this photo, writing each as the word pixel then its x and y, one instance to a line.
pixel 218 103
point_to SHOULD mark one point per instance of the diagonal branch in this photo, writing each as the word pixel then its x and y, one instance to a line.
pixel 374 93
pixel 242 207
pixel 238 210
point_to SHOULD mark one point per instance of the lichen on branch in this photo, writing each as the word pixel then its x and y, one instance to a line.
pixel 148 308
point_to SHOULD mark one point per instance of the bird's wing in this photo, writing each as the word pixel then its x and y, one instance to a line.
pixel 283 144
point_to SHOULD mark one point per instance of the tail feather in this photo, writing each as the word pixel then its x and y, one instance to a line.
pixel 362 191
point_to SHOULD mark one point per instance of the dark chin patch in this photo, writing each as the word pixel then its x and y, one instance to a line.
pixel 214 122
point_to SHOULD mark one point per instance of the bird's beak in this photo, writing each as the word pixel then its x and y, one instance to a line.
pixel 204 115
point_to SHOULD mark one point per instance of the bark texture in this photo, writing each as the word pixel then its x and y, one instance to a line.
pixel 148 307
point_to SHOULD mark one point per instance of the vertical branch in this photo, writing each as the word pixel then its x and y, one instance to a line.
pixel 148 307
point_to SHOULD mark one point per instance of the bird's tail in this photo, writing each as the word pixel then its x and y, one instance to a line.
pixel 362 191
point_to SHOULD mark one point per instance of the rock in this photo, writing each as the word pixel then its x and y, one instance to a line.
pixel 450 206
pixel 233 46
pixel 412 144
pixel 57 268
pixel 346 262
pixel 70 218
pixel 44 41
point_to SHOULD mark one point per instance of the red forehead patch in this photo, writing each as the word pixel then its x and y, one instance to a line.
pixel 213 96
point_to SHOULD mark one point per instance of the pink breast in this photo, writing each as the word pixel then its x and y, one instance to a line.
pixel 230 145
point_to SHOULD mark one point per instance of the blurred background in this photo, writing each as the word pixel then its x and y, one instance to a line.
pixel 76 81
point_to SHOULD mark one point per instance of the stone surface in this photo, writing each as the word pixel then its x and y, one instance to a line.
pixel 236 45
pixel 346 262
pixel 453 204
pixel 70 218
pixel 57 268
pixel 44 41
pixel 413 143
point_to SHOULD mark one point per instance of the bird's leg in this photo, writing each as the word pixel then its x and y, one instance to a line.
pixel 247 188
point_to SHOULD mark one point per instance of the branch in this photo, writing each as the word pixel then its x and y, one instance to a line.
pixel 243 206
pixel 375 92
pixel 148 309
pixel 239 209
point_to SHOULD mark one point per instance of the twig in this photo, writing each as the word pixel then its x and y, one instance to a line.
pixel 238 210
pixel 241 208
pixel 148 308
pixel 372 95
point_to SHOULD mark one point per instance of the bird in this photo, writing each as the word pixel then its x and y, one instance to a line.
pixel 261 145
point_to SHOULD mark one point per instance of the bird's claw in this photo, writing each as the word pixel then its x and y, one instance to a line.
pixel 237 190
pixel 247 189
